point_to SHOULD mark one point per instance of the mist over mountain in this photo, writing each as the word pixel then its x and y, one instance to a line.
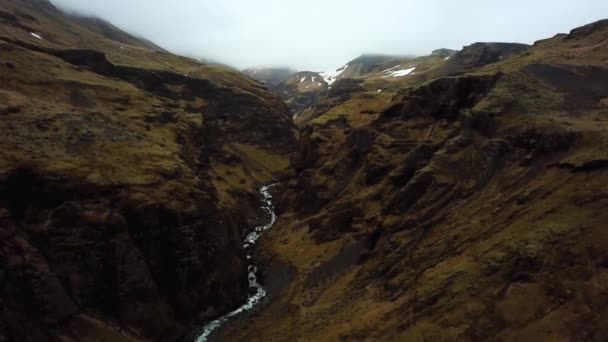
pixel 320 35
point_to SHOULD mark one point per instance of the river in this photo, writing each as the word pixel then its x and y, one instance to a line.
pixel 257 292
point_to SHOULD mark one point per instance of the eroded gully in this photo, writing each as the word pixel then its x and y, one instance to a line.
pixel 256 291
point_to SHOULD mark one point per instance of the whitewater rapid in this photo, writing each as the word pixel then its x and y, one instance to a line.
pixel 258 291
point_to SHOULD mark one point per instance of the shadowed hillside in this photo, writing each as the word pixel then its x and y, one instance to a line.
pixel 127 178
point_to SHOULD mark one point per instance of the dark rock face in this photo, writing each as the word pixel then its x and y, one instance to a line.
pixel 585 86
pixel 411 192
pixel 115 223
pixel 72 246
pixel 587 30
pixel 334 267
pixel 344 88
pixel 544 140
pixel 444 98
pixel 480 54
pixel 300 92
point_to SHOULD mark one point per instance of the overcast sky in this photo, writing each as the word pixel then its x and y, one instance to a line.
pixel 325 34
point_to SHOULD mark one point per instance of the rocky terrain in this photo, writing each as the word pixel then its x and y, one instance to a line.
pixel 305 90
pixel 458 196
pixel 127 177
pixel 464 201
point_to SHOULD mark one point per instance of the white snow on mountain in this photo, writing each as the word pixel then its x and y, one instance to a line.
pixel 331 76
pixel 400 73
pixel 393 68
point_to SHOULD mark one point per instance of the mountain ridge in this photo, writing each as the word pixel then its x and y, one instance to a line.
pixel 462 202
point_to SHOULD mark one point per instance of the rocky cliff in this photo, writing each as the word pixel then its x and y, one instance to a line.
pixel 127 177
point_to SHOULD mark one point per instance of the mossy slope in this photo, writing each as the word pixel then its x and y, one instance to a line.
pixel 467 207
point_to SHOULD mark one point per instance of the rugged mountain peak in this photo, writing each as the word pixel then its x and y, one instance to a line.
pixel 307 81
pixel 334 75
pixel 364 65
pixel 588 29
pixel 444 52
pixel 370 59
pixel 479 54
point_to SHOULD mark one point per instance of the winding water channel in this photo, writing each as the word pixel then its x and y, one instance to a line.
pixel 256 290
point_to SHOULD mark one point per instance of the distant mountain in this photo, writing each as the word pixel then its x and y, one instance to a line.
pixel 443 52
pixel 303 90
pixel 269 76
pixel 480 54
pixel 112 32
pixel 385 73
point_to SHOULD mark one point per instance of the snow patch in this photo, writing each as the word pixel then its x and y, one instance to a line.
pixel 448 57
pixel 303 79
pixel 36 35
pixel 400 73
pixel 393 68
pixel 331 76
pixel 379 90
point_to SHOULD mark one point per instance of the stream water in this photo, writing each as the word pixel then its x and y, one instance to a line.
pixel 257 292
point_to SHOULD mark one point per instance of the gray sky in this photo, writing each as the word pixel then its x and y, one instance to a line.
pixel 322 35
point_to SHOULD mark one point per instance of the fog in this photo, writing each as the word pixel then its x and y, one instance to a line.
pixel 321 35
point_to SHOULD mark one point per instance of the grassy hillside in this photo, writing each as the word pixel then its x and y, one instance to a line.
pixel 463 202
pixel 127 176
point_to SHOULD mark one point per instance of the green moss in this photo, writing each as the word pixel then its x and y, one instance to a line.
pixel 519 92
pixel 358 111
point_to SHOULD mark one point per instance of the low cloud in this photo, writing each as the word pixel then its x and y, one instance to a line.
pixel 323 34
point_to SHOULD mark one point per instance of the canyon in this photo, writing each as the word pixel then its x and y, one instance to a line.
pixel 458 196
